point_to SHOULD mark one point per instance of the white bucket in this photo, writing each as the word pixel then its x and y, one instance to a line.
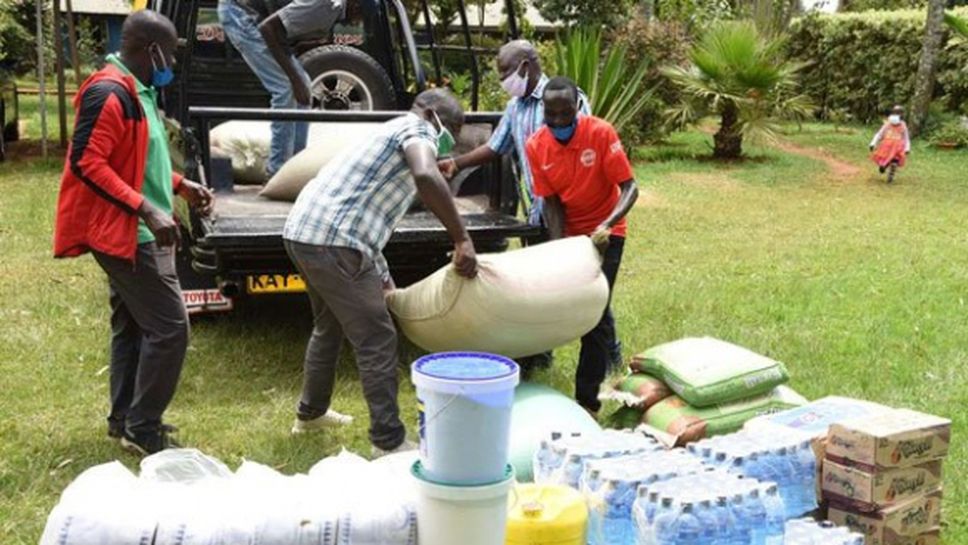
pixel 465 401
pixel 462 515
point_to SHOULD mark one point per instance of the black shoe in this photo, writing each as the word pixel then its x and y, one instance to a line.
pixel 147 443
pixel 882 169
pixel 116 428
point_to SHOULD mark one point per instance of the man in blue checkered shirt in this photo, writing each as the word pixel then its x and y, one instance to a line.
pixel 335 234
pixel 519 67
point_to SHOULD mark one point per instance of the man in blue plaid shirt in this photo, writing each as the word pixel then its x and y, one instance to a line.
pixel 521 76
pixel 335 235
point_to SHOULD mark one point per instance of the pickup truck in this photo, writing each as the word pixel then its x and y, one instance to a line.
pixel 237 253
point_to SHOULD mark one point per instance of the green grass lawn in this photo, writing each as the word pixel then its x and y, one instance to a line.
pixel 859 287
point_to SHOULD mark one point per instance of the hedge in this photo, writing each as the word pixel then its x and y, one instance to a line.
pixel 860 64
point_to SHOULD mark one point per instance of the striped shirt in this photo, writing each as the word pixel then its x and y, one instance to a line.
pixel 522 118
pixel 358 198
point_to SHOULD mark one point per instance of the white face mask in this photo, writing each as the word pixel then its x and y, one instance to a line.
pixel 894 119
pixel 516 85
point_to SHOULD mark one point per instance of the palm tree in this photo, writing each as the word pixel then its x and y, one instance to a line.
pixel 957 24
pixel 742 76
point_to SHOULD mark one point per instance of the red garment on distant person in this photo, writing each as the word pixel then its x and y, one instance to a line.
pixel 101 184
pixel 584 173
pixel 893 145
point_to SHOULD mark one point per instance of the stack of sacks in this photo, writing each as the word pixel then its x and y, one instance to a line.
pixel 247 144
pixel 699 387
pixel 882 476
pixel 184 497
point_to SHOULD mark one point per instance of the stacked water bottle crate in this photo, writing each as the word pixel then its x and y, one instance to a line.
pixel 713 507
pixel 610 488
pixel 562 460
pixel 810 532
pixel 785 459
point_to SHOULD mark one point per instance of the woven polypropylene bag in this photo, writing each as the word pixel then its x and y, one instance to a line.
pixel 706 371
pixel 522 302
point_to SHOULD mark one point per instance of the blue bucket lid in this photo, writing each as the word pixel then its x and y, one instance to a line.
pixel 470 369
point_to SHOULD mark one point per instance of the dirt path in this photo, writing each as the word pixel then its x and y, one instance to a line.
pixel 841 170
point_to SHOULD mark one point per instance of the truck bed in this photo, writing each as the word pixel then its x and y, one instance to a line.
pixel 244 218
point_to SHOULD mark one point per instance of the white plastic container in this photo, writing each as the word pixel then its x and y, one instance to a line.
pixel 465 401
pixel 462 515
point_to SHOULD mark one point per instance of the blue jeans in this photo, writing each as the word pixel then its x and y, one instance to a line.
pixel 288 138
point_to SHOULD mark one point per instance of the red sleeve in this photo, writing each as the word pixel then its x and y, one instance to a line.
pixel 99 127
pixel 176 181
pixel 616 164
pixel 538 179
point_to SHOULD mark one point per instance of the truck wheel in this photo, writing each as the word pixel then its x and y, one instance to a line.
pixel 344 78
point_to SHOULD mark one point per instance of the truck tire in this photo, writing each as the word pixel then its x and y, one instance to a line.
pixel 345 78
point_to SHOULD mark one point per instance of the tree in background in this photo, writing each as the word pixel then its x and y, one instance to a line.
pixel 17 51
pixel 957 24
pixel 930 47
pixel 741 75
pixel 616 89
pixel 591 13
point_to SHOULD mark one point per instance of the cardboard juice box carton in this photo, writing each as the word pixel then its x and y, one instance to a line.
pixel 900 524
pixel 896 438
pixel 867 491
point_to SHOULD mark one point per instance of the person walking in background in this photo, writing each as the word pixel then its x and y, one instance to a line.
pixel 116 201
pixel 892 144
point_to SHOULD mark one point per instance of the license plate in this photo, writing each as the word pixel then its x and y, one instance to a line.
pixel 275 283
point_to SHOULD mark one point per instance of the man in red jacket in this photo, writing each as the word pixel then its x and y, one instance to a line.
pixel 116 201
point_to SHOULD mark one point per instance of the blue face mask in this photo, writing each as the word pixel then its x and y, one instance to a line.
pixel 564 134
pixel 160 77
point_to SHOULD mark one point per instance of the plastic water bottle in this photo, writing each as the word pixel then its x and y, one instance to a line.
pixel 724 521
pixel 688 528
pixel 756 514
pixel 742 534
pixel 807 465
pixel 710 525
pixel 785 480
pixel 572 470
pixel 775 515
pixel 594 481
pixel 664 527
pixel 738 465
pixel 641 519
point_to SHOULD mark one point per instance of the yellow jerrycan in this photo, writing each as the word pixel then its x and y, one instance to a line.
pixel 546 515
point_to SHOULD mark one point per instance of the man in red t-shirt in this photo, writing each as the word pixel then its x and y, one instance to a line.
pixel 580 168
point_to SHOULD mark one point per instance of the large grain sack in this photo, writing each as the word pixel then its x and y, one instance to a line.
pixel 247 144
pixel 688 423
pixel 522 302
pixel 706 371
pixel 328 141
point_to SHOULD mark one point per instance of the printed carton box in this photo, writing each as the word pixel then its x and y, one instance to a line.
pixel 867 491
pixel 900 524
pixel 896 438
